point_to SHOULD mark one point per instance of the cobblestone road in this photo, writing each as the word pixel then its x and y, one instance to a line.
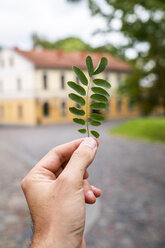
pixel 130 173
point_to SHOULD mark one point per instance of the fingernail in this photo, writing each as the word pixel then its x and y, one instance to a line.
pixel 90 193
pixel 89 142
pixel 94 188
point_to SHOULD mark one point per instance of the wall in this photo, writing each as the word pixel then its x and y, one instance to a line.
pixel 55 112
pixel 113 112
pixel 11 111
pixel 20 70
pixel 32 95
pixel 54 95
pixel 17 95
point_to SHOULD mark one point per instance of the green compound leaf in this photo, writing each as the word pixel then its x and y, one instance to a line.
pixel 102 83
pixel 95 123
pixel 79 89
pixel 78 99
pixel 99 98
pixel 98 105
pixel 97 117
pixel 82 130
pixel 89 65
pixel 100 91
pixel 77 111
pixel 80 74
pixel 79 121
pixel 101 66
pixel 95 134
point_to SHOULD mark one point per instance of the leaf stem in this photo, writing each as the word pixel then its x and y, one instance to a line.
pixel 87 107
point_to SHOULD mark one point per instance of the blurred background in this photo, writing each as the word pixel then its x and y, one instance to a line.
pixel 39 44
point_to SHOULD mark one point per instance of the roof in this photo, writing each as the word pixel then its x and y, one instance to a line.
pixel 43 58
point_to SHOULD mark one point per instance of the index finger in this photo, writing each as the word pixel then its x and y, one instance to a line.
pixel 58 155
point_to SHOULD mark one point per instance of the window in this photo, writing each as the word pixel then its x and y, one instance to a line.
pixel 108 107
pixel 46 109
pixel 20 112
pixel 1 86
pixel 78 105
pixel 106 76
pixel 119 79
pixel 95 111
pixel 2 63
pixel 11 61
pixel 19 84
pixel 1 111
pixel 131 106
pixel 45 81
pixel 119 105
pixel 62 82
pixel 63 108
pixel 77 80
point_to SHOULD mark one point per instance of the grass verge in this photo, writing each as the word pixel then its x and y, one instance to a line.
pixel 151 129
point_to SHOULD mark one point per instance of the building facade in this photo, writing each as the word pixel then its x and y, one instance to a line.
pixel 34 90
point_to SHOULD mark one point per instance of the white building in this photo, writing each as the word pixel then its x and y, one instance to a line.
pixel 33 87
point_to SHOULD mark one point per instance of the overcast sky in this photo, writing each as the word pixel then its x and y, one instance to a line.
pixel 53 19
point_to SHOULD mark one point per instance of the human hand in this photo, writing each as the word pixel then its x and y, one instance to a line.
pixel 56 192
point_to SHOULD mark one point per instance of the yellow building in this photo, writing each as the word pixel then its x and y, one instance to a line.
pixel 33 85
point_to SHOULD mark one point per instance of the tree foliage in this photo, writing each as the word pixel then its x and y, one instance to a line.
pixel 142 23
pixel 72 44
pixel 68 44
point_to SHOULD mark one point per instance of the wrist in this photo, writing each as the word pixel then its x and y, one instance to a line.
pixel 53 241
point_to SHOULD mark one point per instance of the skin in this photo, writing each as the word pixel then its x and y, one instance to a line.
pixel 56 191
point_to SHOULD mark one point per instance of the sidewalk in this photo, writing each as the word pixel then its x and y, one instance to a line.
pixel 14 213
pixel 130 174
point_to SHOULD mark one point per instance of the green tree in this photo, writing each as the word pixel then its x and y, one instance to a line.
pixel 68 44
pixel 142 24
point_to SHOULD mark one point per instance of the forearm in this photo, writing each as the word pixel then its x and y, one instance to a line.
pixel 57 201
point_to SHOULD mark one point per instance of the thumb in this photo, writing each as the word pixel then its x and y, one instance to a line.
pixel 81 158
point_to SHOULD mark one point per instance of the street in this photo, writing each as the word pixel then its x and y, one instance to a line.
pixel 130 173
